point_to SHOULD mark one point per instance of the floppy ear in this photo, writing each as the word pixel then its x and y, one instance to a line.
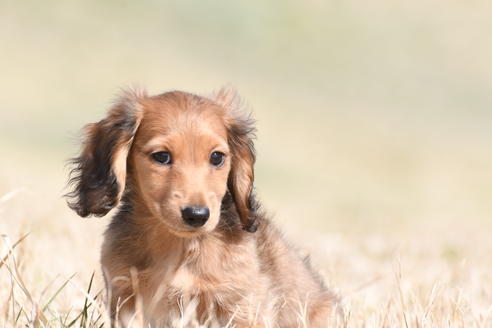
pixel 99 173
pixel 241 132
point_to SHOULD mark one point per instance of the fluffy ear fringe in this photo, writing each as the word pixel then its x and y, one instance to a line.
pixel 99 173
pixel 241 133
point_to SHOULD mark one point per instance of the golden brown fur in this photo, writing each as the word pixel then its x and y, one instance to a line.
pixel 236 267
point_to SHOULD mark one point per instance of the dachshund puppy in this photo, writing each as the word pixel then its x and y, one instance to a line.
pixel 188 231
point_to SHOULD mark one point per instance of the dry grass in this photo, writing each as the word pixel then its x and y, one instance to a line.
pixel 412 277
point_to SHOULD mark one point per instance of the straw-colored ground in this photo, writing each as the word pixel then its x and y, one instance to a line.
pixel 374 144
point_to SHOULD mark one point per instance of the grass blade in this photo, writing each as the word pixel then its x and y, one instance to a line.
pixel 57 292
pixel 84 311
pixel 5 258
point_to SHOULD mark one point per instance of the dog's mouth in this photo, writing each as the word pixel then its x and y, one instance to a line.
pixel 183 231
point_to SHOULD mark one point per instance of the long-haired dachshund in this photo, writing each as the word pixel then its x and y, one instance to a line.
pixel 188 230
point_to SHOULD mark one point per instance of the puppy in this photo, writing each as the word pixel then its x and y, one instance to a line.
pixel 188 232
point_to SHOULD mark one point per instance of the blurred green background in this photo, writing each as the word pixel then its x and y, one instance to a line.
pixel 372 116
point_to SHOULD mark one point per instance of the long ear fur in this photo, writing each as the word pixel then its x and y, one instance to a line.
pixel 99 173
pixel 241 132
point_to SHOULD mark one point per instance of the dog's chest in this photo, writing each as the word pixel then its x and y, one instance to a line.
pixel 209 280
pixel 185 281
pixel 193 273
pixel 185 288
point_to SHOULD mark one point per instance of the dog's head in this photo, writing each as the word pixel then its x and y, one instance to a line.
pixel 179 153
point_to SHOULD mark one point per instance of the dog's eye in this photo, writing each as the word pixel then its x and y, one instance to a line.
pixel 217 158
pixel 162 157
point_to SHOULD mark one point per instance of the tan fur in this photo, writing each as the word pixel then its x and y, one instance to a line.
pixel 153 261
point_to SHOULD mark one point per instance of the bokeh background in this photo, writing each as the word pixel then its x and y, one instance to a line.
pixel 374 119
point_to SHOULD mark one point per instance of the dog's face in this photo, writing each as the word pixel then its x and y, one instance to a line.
pixel 180 162
pixel 178 153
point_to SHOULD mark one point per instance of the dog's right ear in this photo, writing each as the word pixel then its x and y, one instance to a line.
pixel 99 173
pixel 241 132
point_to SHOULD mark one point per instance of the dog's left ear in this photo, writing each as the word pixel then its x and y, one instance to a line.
pixel 99 173
pixel 241 132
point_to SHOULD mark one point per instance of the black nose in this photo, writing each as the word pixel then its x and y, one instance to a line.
pixel 195 216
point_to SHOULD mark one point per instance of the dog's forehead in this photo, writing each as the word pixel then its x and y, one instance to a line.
pixel 178 113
